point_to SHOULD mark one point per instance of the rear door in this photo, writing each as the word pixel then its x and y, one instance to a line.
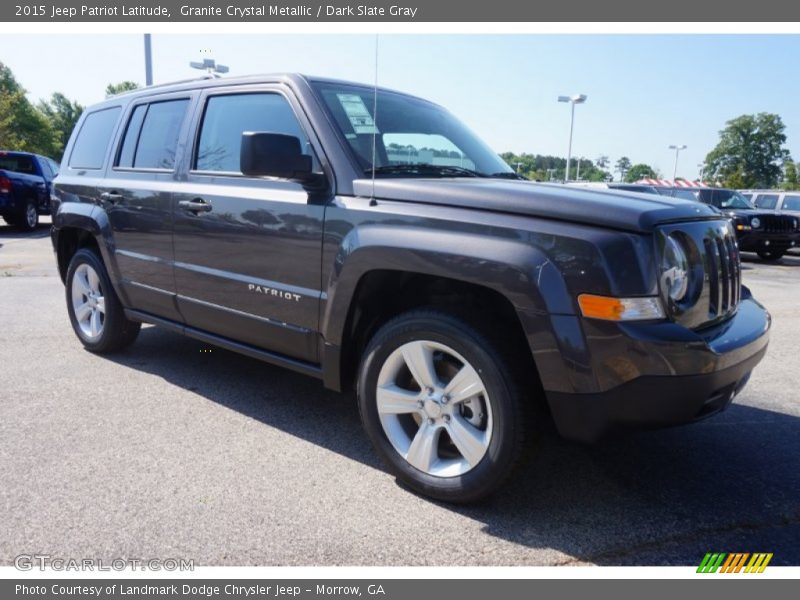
pixel 248 250
pixel 137 197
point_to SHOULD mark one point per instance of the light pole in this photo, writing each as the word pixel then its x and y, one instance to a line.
pixel 677 152
pixel 210 66
pixel 578 170
pixel 148 60
pixel 702 167
pixel 573 100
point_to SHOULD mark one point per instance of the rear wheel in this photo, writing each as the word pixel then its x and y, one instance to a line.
pixel 443 406
pixel 29 219
pixel 771 255
pixel 95 312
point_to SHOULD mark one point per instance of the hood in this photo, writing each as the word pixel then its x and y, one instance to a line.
pixel 614 209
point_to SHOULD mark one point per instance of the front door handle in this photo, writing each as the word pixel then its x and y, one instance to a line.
pixel 197 205
pixel 112 197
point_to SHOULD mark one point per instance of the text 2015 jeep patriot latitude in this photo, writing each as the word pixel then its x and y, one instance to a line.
pixel 394 253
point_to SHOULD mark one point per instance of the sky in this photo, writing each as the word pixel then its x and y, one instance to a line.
pixel 645 92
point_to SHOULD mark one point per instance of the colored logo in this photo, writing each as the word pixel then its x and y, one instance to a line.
pixel 734 563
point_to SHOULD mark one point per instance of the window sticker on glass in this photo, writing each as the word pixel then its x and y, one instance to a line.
pixel 358 114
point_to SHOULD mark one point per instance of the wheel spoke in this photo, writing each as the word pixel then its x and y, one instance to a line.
pixel 94 323
pixel 83 282
pixel 93 280
pixel 395 400
pixel 101 304
pixel 423 451
pixel 469 441
pixel 418 357
pixel 465 384
pixel 83 312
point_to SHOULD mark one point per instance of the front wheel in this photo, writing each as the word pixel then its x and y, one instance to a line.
pixel 95 312
pixel 443 406
pixel 770 255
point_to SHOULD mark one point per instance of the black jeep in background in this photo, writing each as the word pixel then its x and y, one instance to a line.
pixel 400 257
pixel 25 183
pixel 768 233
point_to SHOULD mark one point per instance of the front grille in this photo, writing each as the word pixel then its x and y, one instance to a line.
pixel 777 224
pixel 723 272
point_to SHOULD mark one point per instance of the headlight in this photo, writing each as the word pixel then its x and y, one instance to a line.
pixel 755 222
pixel 675 270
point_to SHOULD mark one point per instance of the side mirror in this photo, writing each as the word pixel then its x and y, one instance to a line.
pixel 274 155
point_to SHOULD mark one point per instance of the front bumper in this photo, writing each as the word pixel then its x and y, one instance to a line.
pixel 664 374
pixel 752 241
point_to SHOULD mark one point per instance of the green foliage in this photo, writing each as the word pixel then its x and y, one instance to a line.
pixel 750 152
pixel 22 126
pixel 622 166
pixel 112 89
pixel 538 167
pixel 790 177
pixel 638 171
pixel 62 114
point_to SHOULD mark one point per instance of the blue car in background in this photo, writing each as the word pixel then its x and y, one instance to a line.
pixel 25 183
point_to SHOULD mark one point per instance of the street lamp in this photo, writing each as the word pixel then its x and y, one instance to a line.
pixel 702 167
pixel 210 66
pixel 677 152
pixel 573 100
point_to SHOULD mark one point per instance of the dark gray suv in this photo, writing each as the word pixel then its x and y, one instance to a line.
pixel 393 253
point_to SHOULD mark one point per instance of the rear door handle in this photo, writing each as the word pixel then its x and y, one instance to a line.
pixel 196 205
pixel 112 197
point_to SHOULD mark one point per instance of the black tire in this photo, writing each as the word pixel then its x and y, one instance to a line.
pixel 513 413
pixel 117 331
pixel 28 219
pixel 770 255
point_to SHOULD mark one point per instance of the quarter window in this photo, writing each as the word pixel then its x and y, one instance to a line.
pixel 227 117
pixel 93 138
pixel 151 138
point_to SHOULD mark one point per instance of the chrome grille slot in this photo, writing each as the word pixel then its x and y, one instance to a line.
pixel 713 276
pixel 725 275
pixel 777 224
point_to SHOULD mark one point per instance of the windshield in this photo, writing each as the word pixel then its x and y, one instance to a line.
pixel 412 137
pixel 726 199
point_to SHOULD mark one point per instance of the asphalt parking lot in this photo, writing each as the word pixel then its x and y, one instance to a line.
pixel 175 449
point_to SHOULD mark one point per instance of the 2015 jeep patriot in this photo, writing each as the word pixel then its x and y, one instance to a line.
pixel 367 238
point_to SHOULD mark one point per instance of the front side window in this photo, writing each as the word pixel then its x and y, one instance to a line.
pixel 726 199
pixel 93 139
pixel 227 117
pixel 768 201
pixel 406 136
pixel 151 138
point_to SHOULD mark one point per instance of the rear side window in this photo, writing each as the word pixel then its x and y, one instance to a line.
pixel 227 117
pixel 768 201
pixel 19 163
pixel 791 203
pixel 151 137
pixel 90 147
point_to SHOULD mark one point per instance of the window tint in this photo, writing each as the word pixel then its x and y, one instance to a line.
pixel 768 201
pixel 227 117
pixel 90 147
pixel 128 149
pixel 18 163
pixel 791 203
pixel 158 139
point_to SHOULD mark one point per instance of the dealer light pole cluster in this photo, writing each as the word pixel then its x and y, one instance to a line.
pixel 573 100
pixel 677 152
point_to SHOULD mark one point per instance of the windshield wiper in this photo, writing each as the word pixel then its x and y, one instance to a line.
pixel 509 175
pixel 425 169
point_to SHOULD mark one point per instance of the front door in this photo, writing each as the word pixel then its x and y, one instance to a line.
pixel 247 250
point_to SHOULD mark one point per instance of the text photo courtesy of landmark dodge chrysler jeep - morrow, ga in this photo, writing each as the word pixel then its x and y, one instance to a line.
pixel 280 217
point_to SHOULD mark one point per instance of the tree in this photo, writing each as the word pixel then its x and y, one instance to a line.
pixel 22 126
pixel 790 180
pixel 62 114
pixel 623 166
pixel 750 152
pixel 112 89
pixel 602 162
pixel 638 171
